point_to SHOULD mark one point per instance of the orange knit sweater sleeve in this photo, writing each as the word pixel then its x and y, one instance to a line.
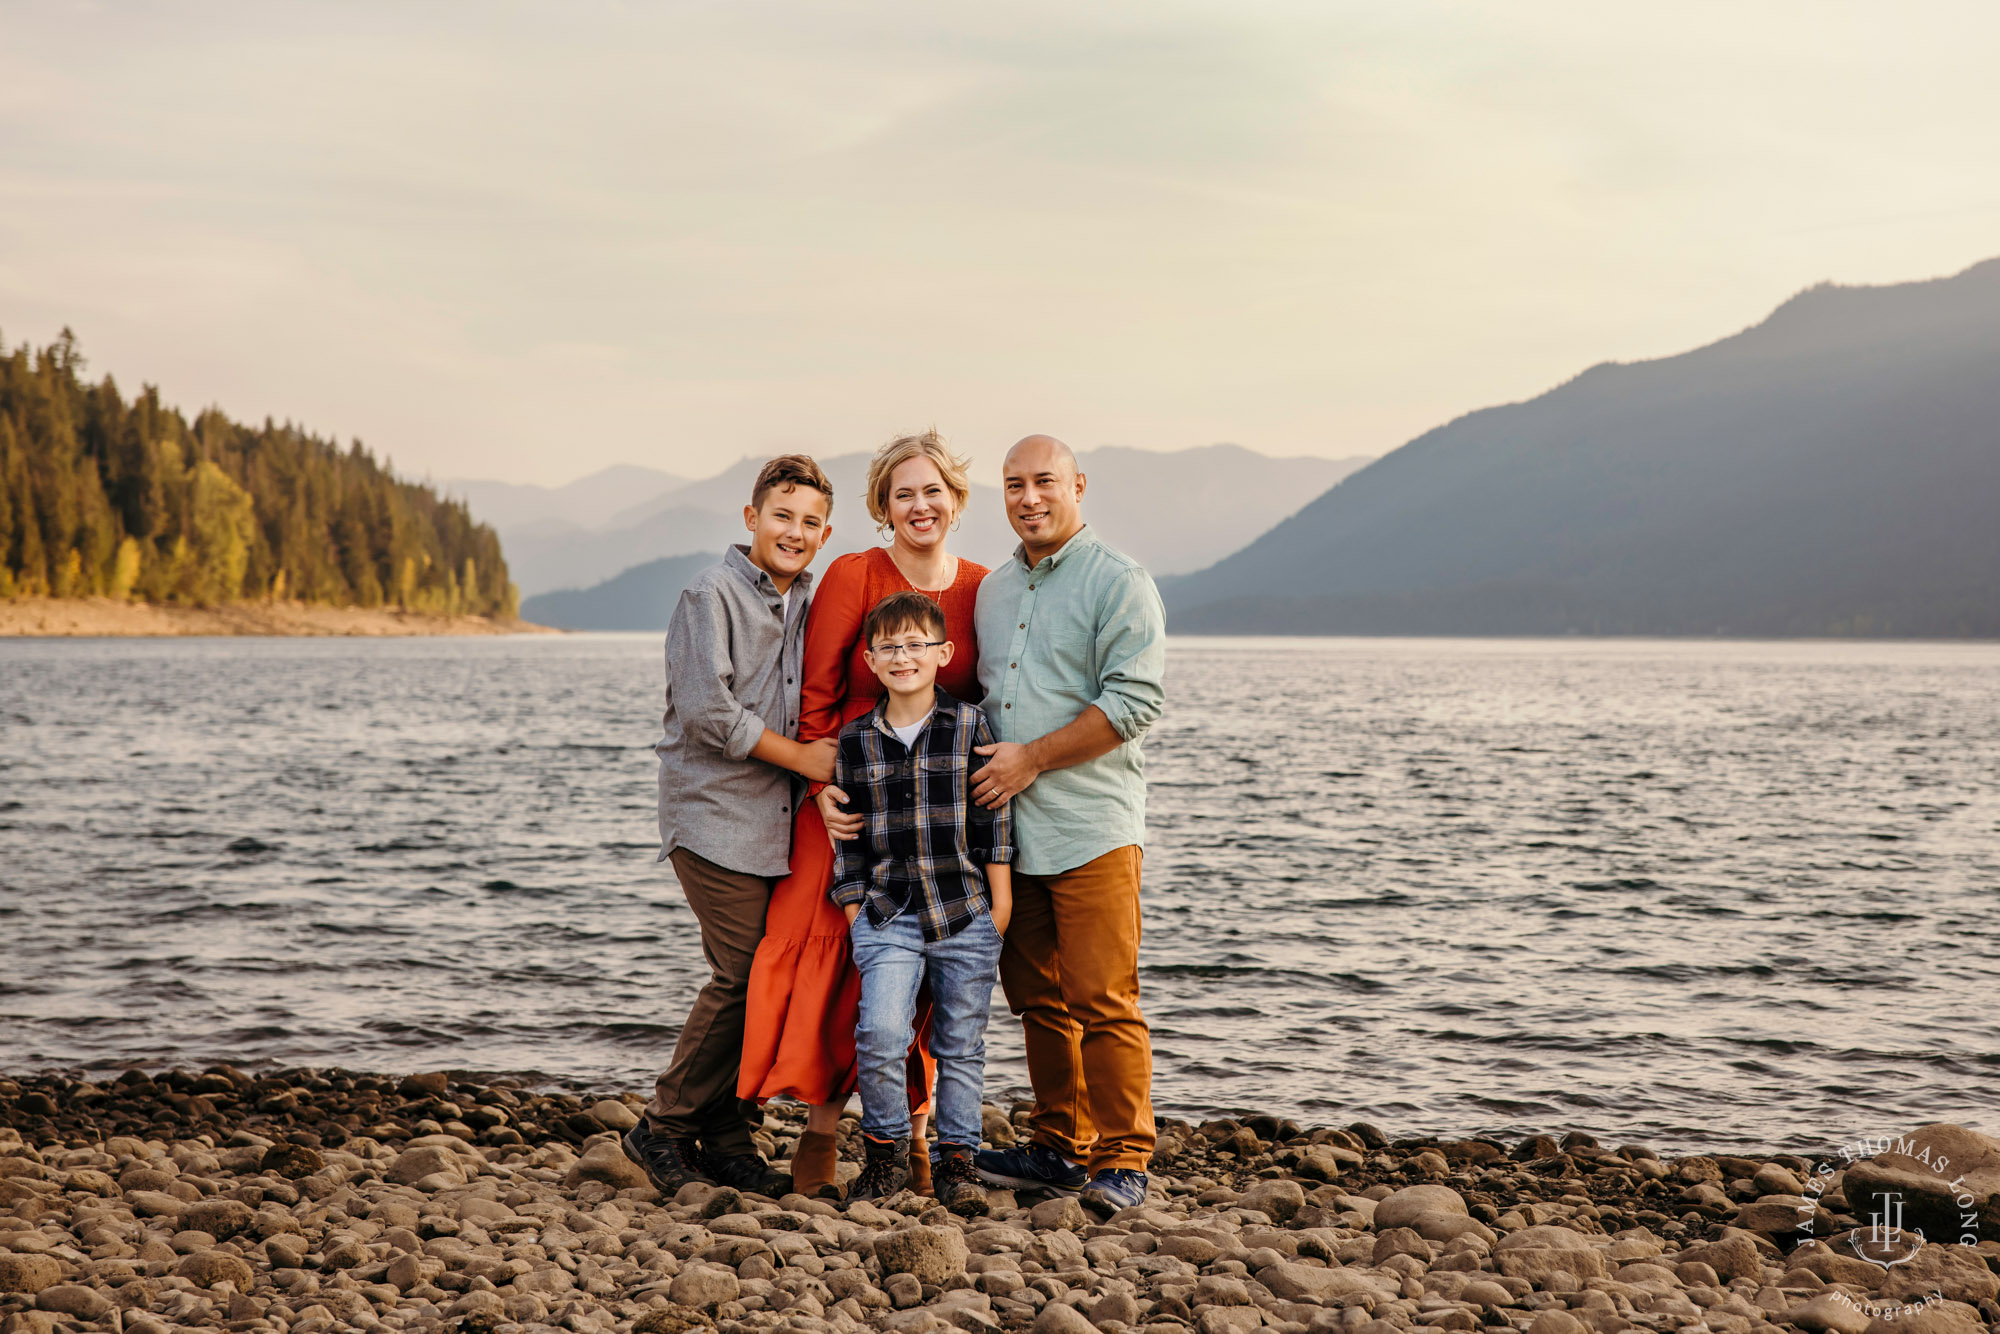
pixel 839 604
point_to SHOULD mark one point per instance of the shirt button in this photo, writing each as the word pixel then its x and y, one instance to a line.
pixel 1008 705
pixel 1012 665
pixel 1023 625
pixel 1031 588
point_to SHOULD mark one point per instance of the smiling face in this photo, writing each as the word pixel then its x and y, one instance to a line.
pixel 787 531
pixel 921 507
pixel 1044 494
pixel 904 670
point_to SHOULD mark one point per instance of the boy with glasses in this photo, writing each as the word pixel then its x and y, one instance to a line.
pixel 928 894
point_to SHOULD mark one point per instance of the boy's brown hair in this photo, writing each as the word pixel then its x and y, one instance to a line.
pixel 791 470
pixel 908 607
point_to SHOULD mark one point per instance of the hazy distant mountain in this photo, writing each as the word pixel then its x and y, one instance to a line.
pixel 573 557
pixel 642 598
pixel 1173 512
pixel 586 502
pixel 1833 470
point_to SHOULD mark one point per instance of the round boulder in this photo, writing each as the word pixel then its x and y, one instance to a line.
pixel 28 1273
pixel 413 1165
pixel 73 1299
pixel 705 1286
pixel 293 1162
pixel 613 1115
pixel 1062 1212
pixel 220 1218
pixel 1278 1200
pixel 606 1162
pixel 1401 1241
pixel 205 1269
pixel 1402 1208
pixel 408 1271
pixel 1061 1318
pixel 92 1181
pixel 431 1084
pixel 154 1204
pixel 929 1254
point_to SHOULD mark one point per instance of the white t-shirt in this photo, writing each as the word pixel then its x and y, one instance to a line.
pixel 908 735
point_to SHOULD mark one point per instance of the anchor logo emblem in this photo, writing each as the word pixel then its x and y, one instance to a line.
pixel 1887 1241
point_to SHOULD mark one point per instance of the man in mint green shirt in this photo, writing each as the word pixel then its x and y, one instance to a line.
pixel 1072 651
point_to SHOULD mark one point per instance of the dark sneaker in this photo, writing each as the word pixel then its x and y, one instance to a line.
pixel 1113 1189
pixel 747 1172
pixel 1036 1167
pixel 957 1182
pixel 885 1173
pixel 668 1163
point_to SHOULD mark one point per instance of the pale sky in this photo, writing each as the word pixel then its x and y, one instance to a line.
pixel 527 240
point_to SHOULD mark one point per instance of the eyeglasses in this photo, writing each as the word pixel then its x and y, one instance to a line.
pixel 915 649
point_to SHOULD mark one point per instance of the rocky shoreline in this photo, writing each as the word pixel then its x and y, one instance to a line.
pixel 71 618
pixel 306 1201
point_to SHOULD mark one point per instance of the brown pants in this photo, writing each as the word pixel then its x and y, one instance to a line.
pixel 696 1097
pixel 1071 971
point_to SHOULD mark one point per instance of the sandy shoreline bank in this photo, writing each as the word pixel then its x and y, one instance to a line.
pixel 64 618
pixel 307 1201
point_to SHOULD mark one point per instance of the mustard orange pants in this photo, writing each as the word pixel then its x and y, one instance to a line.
pixel 1070 970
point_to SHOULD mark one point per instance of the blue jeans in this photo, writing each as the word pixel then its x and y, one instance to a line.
pixel 894 960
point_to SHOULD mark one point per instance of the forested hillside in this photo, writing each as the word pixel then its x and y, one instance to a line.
pixel 105 497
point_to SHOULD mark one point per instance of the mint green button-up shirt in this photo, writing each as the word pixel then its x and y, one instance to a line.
pixel 1084 626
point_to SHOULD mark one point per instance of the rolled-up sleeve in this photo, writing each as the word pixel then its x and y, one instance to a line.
pixel 850 857
pixel 1131 654
pixel 699 675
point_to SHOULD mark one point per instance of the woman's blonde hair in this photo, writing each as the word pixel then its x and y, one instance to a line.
pixel 930 445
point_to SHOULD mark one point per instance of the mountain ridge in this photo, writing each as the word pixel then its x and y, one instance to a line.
pixel 1169 510
pixel 1819 472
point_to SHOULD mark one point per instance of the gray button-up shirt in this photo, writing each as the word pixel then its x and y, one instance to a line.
pixel 1082 627
pixel 733 656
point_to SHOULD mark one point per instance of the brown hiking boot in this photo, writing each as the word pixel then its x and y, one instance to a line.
pixel 887 1171
pixel 959 1188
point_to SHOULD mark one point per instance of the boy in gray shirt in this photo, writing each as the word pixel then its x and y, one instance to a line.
pixel 728 762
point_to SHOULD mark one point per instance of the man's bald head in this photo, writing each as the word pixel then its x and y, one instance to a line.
pixel 1044 492
pixel 1034 449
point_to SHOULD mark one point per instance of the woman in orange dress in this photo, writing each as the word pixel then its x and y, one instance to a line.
pixel 798 1038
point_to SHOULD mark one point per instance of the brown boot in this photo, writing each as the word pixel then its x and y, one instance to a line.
pixel 812 1166
pixel 920 1168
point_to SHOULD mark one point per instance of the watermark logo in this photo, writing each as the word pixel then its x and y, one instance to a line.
pixel 1887 1242
pixel 1894 1233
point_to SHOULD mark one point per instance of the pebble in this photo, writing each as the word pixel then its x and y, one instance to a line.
pixel 306 1201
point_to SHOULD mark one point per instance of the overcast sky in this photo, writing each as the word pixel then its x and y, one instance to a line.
pixel 527 240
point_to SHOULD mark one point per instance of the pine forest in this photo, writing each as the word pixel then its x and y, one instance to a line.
pixel 100 496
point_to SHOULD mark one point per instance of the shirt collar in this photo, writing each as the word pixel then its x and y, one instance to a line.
pixel 737 559
pixel 940 699
pixel 1079 539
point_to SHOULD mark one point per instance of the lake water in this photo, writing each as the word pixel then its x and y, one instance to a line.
pixel 1693 894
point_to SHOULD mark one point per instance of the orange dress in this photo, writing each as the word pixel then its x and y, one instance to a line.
pixel 798 1036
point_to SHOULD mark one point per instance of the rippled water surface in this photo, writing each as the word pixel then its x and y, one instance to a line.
pixel 1694 893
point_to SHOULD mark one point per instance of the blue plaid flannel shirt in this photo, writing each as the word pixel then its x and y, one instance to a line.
pixel 923 843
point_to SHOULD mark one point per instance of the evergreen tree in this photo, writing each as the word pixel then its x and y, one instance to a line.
pixel 101 496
